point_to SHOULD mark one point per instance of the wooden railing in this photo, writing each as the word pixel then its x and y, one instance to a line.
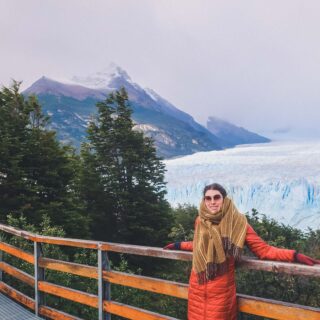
pixel 105 276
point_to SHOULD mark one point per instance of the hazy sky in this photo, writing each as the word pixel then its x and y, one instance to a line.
pixel 254 63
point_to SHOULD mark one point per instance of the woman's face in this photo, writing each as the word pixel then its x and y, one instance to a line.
pixel 213 200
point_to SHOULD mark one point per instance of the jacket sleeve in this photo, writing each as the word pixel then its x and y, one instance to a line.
pixel 186 245
pixel 264 251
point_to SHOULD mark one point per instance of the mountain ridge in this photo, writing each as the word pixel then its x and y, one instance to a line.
pixel 232 134
pixel 71 105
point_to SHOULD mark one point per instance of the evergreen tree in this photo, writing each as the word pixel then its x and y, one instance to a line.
pixel 123 179
pixel 37 174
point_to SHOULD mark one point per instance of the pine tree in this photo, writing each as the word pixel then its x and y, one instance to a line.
pixel 123 179
pixel 37 174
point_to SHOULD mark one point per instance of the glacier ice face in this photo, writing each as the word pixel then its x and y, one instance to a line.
pixel 279 179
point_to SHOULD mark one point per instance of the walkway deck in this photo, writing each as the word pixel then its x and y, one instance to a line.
pixel 9 310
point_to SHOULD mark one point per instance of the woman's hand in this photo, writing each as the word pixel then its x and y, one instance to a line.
pixel 173 246
pixel 301 258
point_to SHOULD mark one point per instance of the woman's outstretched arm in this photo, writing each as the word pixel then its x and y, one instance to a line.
pixel 267 252
pixel 183 245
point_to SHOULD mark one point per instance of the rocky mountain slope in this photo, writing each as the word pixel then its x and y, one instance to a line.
pixel 71 105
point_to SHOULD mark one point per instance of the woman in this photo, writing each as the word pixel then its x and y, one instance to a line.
pixel 220 234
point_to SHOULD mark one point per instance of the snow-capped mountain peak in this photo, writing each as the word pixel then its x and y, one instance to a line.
pixel 174 131
pixel 104 79
pixel 46 85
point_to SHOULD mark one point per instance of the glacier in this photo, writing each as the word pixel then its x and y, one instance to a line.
pixel 279 179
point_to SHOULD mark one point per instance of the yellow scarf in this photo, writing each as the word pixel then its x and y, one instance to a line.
pixel 217 237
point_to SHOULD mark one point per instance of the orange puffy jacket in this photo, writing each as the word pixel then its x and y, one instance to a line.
pixel 216 299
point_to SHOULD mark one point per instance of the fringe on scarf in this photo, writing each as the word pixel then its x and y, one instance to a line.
pixel 230 249
pixel 217 269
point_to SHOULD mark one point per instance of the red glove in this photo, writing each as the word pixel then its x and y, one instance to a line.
pixel 173 246
pixel 301 258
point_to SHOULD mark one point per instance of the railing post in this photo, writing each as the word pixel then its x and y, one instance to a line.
pixel 38 276
pixel 103 286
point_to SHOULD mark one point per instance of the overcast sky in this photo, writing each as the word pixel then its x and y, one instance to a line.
pixel 254 63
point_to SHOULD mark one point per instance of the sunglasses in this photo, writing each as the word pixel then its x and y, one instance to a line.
pixel 214 198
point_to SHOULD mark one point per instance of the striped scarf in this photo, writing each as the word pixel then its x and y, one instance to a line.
pixel 217 237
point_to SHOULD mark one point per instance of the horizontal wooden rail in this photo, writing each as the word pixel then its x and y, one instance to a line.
pixel 50 240
pixel 147 251
pixel 69 267
pixel 92 301
pixel 16 252
pixel 17 295
pixel 87 299
pixel 280 267
pixel 87 244
pixel 274 309
pixel 133 313
pixel 166 287
pixel 170 288
pixel 17 232
pixel 48 312
pixel 55 314
pixel 16 273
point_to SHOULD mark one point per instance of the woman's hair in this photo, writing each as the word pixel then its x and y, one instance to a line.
pixel 215 186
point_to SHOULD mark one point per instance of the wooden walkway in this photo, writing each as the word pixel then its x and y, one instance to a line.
pixel 9 310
